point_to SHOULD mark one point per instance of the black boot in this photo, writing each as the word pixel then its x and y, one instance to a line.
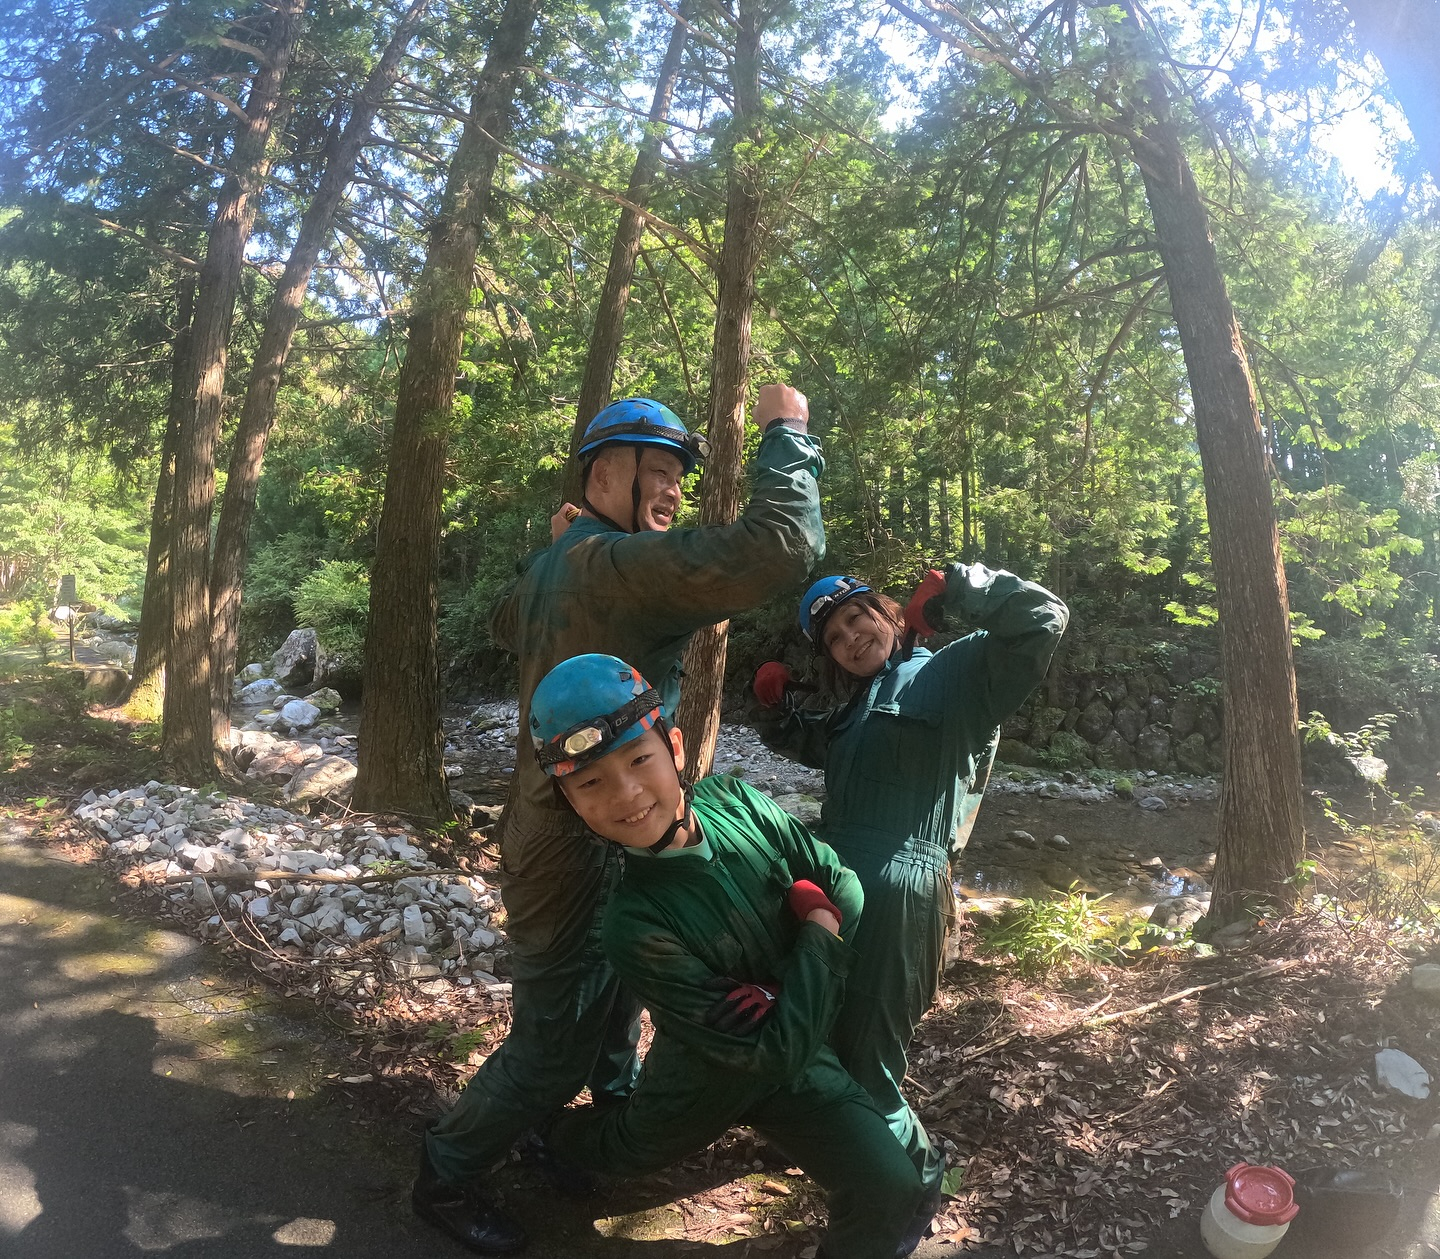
pixel 919 1223
pixel 465 1214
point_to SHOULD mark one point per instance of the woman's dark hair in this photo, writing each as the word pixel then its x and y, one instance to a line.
pixel 887 612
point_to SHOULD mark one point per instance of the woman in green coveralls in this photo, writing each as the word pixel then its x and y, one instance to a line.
pixel 730 923
pixel 906 759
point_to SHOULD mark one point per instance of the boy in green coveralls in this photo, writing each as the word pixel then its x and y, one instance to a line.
pixel 728 925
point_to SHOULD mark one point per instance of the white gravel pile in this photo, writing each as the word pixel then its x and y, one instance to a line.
pixel 431 925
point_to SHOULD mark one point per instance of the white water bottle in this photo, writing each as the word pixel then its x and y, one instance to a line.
pixel 1247 1215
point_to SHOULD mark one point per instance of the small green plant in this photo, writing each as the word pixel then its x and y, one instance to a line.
pixel 1203 688
pixel 385 865
pixel 1066 751
pixel 13 746
pixel 457 1044
pixel 1064 931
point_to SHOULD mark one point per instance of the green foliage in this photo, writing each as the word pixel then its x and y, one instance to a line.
pixel 335 600
pixel 1065 751
pixel 1062 932
pixel 13 746
pixel 272 577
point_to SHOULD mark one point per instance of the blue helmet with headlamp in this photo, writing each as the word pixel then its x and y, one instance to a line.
pixel 643 422
pixel 821 600
pixel 585 708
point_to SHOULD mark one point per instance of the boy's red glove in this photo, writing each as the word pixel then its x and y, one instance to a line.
pixel 933 584
pixel 742 1009
pixel 770 681
pixel 805 897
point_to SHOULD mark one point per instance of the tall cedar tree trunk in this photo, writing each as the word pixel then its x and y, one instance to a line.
pixel 1262 835
pixel 257 416
pixel 145 697
pixel 189 743
pixel 401 746
pixel 1404 36
pixel 609 329
pixel 699 712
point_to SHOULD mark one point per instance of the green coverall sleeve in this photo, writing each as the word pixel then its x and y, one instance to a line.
pixel 1023 623
pixel 682 579
pixel 671 980
pixel 802 734
pixel 807 857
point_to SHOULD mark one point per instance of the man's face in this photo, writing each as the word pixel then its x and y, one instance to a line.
pixel 857 640
pixel 632 795
pixel 660 474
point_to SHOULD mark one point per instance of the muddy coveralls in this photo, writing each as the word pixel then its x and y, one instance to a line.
pixel 906 761
pixel 719 909
pixel 639 597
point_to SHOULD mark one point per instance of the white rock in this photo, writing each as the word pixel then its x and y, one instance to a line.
pixel 290 936
pixel 252 672
pixel 483 938
pixel 1400 1073
pixel 414 922
pixel 299 715
pixel 330 777
pixel 259 692
pixel 260 907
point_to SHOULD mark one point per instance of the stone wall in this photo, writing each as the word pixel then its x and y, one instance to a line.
pixel 1128 712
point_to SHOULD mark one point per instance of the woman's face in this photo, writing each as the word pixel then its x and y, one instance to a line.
pixel 857 640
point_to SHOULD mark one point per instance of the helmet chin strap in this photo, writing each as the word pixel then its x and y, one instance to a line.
pixel 687 816
pixel 634 503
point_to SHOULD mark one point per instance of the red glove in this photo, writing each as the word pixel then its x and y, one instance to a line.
pixel 742 1009
pixel 770 681
pixel 932 585
pixel 804 897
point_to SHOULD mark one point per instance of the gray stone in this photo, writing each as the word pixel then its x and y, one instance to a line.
pixel 258 692
pixel 1021 839
pixel 294 664
pixel 1154 804
pixel 260 907
pixel 1114 753
pixel 1152 748
pixel 298 714
pixel 291 936
pixel 1157 711
pixel 1129 720
pixel 1426 978
pixel 1184 713
pixel 1095 721
pixel 330 777
pixel 326 699
pixel 252 672
pixel 1058 841
pixel 1051 791
pixel 460 894
pixel 1208 723
pixel 414 924
pixel 1400 1073
pixel 1045 722
pixel 1178 913
pixel 1192 756
pixel 1114 690
pixel 1013 752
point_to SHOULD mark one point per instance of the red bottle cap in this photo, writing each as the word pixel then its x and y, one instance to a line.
pixel 1260 1195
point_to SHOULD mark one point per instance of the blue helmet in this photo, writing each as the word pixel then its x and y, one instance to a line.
pixel 822 599
pixel 585 708
pixel 643 422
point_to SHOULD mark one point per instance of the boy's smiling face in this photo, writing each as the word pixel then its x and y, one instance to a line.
pixel 631 796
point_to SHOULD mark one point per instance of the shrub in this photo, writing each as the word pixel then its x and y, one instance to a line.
pixel 335 601
pixel 1068 930
pixel 1066 751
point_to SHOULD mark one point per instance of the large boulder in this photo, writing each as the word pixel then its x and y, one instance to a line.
pixel 1095 721
pixel 1013 752
pixel 1192 756
pixel 329 778
pixel 1157 711
pixel 252 672
pixel 1207 722
pixel 1130 720
pixel 1113 752
pixel 116 652
pixel 1045 722
pixel 105 683
pixel 1184 713
pixel 326 699
pixel 279 763
pixel 299 714
pixel 1152 748
pixel 261 691
pixel 294 664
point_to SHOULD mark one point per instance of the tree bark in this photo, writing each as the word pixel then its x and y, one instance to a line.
pixel 188 743
pixel 401 746
pixel 699 710
pixel 609 329
pixel 1261 831
pixel 257 415
pixel 1404 37
pixel 144 698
